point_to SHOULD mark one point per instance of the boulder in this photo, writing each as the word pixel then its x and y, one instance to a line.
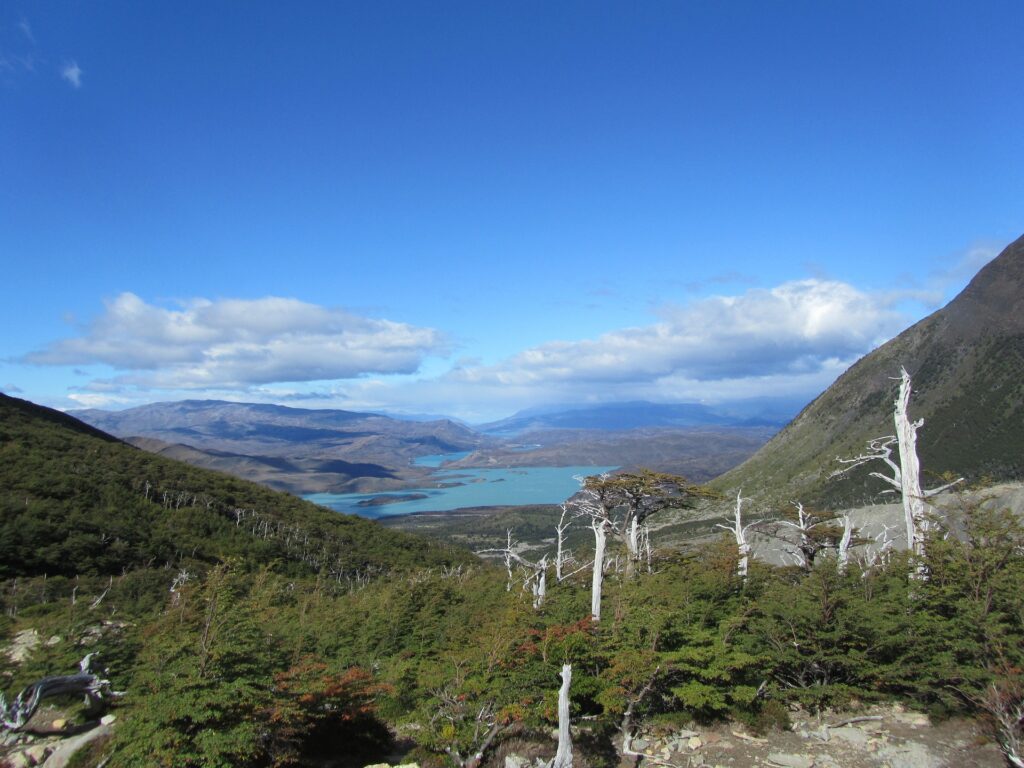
pixel 790 761
pixel 65 749
pixel 851 735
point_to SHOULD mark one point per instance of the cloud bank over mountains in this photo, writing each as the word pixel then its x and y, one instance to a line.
pixel 792 328
pixel 793 338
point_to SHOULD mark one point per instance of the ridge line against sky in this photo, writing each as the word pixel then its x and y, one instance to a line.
pixel 474 208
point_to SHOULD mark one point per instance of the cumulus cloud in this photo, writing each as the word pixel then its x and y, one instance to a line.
pixel 72 73
pixel 794 328
pixel 238 343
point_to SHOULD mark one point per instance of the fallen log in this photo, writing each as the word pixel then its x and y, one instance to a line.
pixel 15 715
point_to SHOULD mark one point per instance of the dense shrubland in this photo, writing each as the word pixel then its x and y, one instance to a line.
pixel 243 666
pixel 247 628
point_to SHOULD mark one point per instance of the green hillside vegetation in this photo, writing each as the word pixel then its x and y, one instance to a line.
pixel 967 364
pixel 234 647
pixel 75 501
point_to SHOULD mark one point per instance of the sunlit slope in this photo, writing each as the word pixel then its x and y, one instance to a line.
pixel 967 364
pixel 74 500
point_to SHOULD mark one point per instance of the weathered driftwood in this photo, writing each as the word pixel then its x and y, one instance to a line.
pixel 15 715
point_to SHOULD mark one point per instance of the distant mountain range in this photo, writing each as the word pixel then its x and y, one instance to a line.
pixel 312 450
pixel 967 365
pixel 295 449
pixel 762 412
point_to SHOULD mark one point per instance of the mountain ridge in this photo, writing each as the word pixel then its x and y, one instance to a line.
pixel 641 414
pixel 967 364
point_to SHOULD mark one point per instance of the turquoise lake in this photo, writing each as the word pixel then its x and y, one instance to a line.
pixel 479 488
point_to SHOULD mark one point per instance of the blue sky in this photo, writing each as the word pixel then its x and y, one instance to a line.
pixel 470 208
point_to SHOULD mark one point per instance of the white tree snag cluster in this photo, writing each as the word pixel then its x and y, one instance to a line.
pixel 906 475
pixel 535 574
pixel 15 715
pixel 563 757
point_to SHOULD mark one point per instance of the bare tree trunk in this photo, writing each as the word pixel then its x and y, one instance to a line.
pixel 563 757
pixel 906 476
pixel 540 582
pixel 844 544
pixel 740 534
pixel 914 507
pixel 632 546
pixel 560 551
pixel 599 527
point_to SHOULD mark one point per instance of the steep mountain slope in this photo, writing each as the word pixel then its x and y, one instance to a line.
pixel 77 501
pixel 294 449
pixel 967 364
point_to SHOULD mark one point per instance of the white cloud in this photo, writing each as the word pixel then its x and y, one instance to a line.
pixel 90 400
pixel 237 343
pixel 72 73
pixel 792 340
pixel 793 328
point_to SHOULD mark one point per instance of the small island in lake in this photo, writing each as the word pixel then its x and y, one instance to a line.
pixel 380 501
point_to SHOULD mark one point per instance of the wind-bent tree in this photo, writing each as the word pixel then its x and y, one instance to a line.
pixel 622 504
pixel 906 475
pixel 814 532
pixel 632 498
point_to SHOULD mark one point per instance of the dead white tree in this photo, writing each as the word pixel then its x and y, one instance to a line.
pixel 906 475
pixel 563 757
pixel 592 503
pixel 600 526
pixel 807 548
pixel 15 716
pixel 739 532
pixel 843 553
pixel 539 581
pixel 562 556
